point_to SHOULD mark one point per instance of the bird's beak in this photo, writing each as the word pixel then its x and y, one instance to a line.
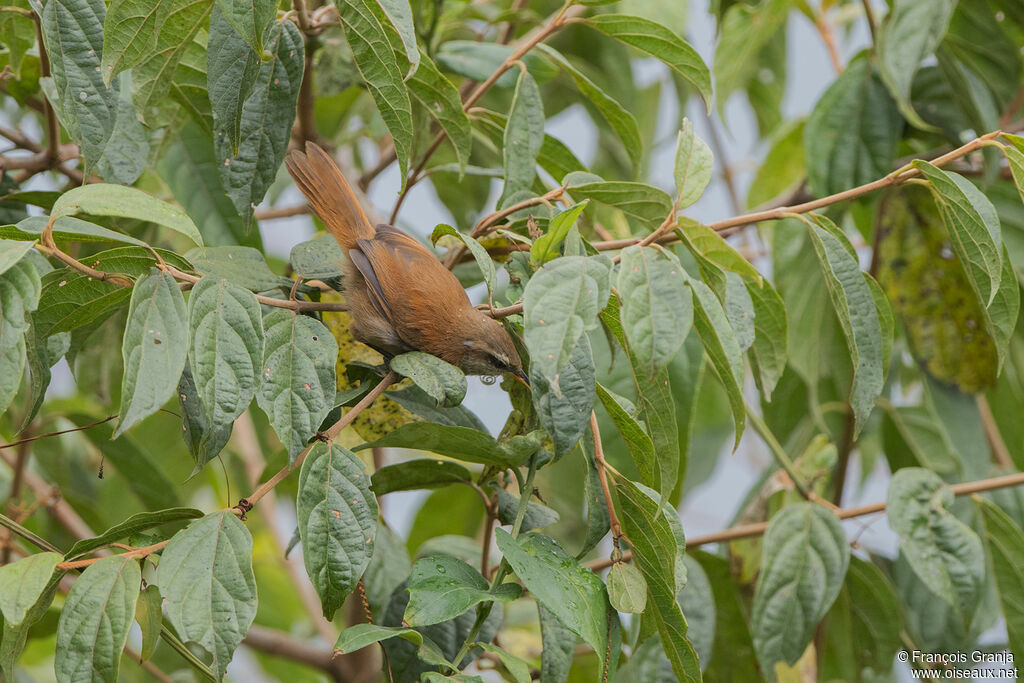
pixel 521 377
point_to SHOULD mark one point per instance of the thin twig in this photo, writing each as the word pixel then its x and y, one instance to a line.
pixel 829 38
pixel 63 431
pixel 758 528
pixel 992 434
pixel 869 14
pixel 602 474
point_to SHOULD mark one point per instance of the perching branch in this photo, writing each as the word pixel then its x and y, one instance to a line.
pixel 758 528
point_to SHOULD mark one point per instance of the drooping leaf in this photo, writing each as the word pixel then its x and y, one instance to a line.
pixel 618 117
pixel 149 615
pixel 655 551
pixel 640 445
pixel 376 62
pixel 559 643
pixel 101 199
pixel 20 290
pixel 153 349
pixel 910 33
pixel 850 137
pixel 250 19
pixel 442 587
pixel 854 305
pixel 265 115
pixel 627 588
pixel 803 565
pixel 11 252
pixel 564 406
pixel 22 582
pixel 573 594
pixel 438 96
pixel 524 134
pixel 693 165
pixel 719 340
pixel 944 553
pixel 206 577
pixel 337 516
pixel 658 41
pixel 1005 542
pixel 298 379
pixel 42 353
pixel 657 307
pixel 560 303
pixel 225 356
pixel 232 68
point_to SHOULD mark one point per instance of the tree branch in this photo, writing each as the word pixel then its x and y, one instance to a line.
pixel 758 528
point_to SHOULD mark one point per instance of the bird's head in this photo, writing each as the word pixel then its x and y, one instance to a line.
pixel 488 348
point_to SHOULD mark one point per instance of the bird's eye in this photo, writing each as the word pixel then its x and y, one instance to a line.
pixel 499 363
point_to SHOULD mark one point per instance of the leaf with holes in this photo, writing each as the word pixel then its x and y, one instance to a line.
pixel 298 379
pixel 206 577
pixel 225 356
pixel 803 565
pixel 337 515
pixel 153 349
pixel 94 623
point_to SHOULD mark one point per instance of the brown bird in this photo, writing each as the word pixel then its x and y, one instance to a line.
pixel 400 297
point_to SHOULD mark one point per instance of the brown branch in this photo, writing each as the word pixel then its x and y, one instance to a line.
pixel 602 466
pixel 992 434
pixel 247 504
pixel 63 431
pixel 278 644
pixel 869 14
pixel 283 212
pixel 130 555
pixel 52 126
pixel 829 38
pixel 758 528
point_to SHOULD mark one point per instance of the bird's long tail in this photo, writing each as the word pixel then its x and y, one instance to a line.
pixel 330 195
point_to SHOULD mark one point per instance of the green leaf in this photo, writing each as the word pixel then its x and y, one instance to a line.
pixel 640 445
pixel 154 347
pixel 546 247
pixel 250 18
pixel 862 628
pixel 719 340
pixel 129 35
pixel 660 42
pixel 442 587
pixel 66 228
pixel 318 258
pixel 618 117
pixel 206 577
pixel 524 134
pixel 161 77
pixel 190 168
pixel 646 203
pixel 461 443
pixel 910 33
pixel 850 137
pixel 91 112
pixel 19 295
pixel 537 516
pixel 101 199
pixel 564 406
pixel 627 588
pixel 574 595
pixel 441 100
pixel 480 255
pixel 225 353
pixel 1005 542
pixel 693 165
pixel 657 308
pixel 244 266
pixel 478 60
pixel 149 615
pixel 803 565
pixel 655 551
pixel 136 523
pixel 697 601
pixel 560 303
pixel 783 167
pixel 376 62
pixel 558 646
pixel 232 68
pixel 265 122
pixel 944 553
pixel 972 223
pixel 419 474
pixel 337 516
pixel 360 635
pixel 769 353
pixel 416 401
pixel 745 31
pixel 94 623
pixel 854 305
pixel 1015 158
pixel 22 582
pixel 41 354
pixel 298 384
pixel 12 252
